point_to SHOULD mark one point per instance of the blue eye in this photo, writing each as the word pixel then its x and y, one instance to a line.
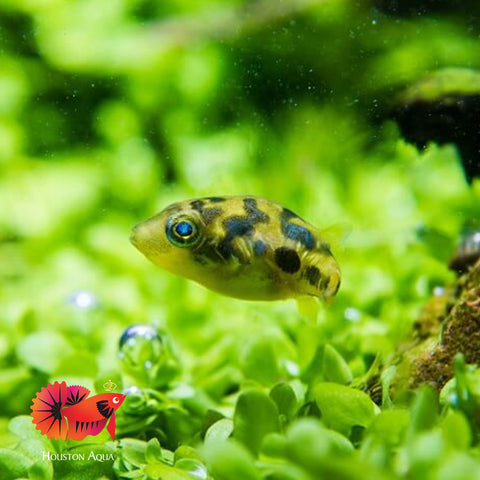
pixel 181 232
pixel 183 229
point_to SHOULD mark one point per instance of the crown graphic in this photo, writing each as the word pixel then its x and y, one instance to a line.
pixel 109 386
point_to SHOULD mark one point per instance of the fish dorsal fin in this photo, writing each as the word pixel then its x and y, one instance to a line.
pixel 337 235
pixel 75 394
pixel 104 409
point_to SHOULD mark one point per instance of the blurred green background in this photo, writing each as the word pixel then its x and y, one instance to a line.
pixel 112 109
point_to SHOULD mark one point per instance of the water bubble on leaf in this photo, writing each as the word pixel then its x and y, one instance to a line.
pixel 83 300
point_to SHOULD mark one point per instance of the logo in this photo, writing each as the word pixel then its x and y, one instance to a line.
pixel 62 412
pixel 109 386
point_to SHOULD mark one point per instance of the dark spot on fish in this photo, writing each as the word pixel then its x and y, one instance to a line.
pixel 259 248
pixel 312 275
pixel 197 205
pixel 287 259
pixel 225 249
pixel 209 214
pixel 207 253
pixel 240 226
pixel 336 288
pixel 295 232
pixel 253 212
pixel 324 283
pixel 200 259
pixel 325 248
pixel 287 214
pixel 215 199
pixel 300 234
pixel 235 226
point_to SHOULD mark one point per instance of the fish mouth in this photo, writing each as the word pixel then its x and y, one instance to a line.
pixel 134 236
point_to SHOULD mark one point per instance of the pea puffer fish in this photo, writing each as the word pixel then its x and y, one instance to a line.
pixel 240 246
pixel 61 411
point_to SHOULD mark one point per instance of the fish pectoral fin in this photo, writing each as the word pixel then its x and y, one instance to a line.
pixel 242 250
pixel 308 307
pixel 111 427
pixel 104 408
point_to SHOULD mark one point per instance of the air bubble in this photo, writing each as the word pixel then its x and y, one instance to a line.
pixel 83 300
pixel 147 356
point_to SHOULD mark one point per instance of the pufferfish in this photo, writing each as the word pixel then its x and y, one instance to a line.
pixel 241 246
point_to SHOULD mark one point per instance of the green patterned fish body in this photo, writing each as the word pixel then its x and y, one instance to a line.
pixel 241 246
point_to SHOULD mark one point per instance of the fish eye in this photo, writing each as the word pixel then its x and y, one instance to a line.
pixel 115 399
pixel 182 232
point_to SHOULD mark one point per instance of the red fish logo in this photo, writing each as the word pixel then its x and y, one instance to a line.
pixel 65 412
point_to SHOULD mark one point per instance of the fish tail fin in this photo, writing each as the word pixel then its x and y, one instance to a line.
pixel 47 410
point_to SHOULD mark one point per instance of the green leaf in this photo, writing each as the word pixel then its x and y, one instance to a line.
pixel 255 415
pixel 284 397
pixel 193 470
pixel 41 470
pixel 456 430
pixel 308 439
pixel 13 464
pixel 220 430
pixel 32 443
pixel 260 362
pixel 317 449
pixel 153 451
pixel 44 350
pixel 184 451
pixel 229 461
pixel 87 468
pixel 335 368
pixel 343 407
pixel 459 466
pixel 273 445
pixel 424 412
pixel 133 451
pixel 423 452
pixel 389 426
pixel 193 467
